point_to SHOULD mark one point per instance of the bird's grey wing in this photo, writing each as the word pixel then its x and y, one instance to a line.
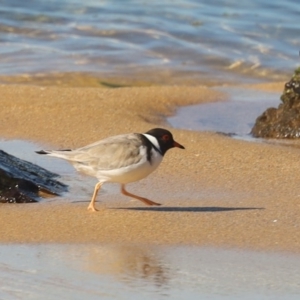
pixel 111 153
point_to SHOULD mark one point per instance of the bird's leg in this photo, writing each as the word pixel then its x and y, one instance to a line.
pixel 146 201
pixel 92 203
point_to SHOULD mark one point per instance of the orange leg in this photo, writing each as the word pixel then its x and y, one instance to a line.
pixel 92 203
pixel 146 201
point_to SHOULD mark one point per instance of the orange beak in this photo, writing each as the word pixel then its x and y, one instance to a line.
pixel 175 144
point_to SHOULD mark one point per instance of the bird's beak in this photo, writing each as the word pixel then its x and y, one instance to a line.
pixel 175 144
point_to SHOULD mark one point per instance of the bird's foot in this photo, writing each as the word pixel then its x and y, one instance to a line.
pixel 92 208
pixel 149 202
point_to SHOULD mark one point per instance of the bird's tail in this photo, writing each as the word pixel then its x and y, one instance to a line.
pixel 51 151
pixel 42 152
pixel 57 153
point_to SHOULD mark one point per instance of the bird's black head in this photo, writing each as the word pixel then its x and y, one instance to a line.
pixel 165 139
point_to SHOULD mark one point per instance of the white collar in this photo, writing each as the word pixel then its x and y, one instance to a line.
pixel 153 140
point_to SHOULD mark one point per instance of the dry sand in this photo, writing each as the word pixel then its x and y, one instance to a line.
pixel 219 191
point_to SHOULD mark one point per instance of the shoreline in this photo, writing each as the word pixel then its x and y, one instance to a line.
pixel 218 192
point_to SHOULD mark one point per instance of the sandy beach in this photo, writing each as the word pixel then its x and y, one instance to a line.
pixel 218 192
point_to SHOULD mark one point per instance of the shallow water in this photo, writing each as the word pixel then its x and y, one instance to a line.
pixel 235 116
pixel 145 272
pixel 158 41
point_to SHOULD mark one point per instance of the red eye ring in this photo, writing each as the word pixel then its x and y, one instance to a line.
pixel 165 137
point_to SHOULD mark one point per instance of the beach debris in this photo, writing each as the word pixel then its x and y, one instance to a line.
pixel 25 182
pixel 284 121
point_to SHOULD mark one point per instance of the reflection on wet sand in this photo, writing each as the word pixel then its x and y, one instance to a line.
pixel 145 272
pixel 127 263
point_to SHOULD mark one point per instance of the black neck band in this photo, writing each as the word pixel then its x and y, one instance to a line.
pixel 155 148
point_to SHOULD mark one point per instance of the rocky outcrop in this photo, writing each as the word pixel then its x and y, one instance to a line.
pixel 24 182
pixel 284 121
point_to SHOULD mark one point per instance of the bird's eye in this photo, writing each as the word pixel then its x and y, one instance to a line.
pixel 165 137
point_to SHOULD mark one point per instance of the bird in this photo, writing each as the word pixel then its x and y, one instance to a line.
pixel 121 159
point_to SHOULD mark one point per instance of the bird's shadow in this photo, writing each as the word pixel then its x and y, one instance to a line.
pixel 190 209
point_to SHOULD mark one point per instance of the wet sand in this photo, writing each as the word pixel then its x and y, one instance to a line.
pixel 218 192
pixel 123 271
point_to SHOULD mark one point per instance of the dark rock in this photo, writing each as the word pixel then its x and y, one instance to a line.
pixel 23 182
pixel 284 121
pixel 14 195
